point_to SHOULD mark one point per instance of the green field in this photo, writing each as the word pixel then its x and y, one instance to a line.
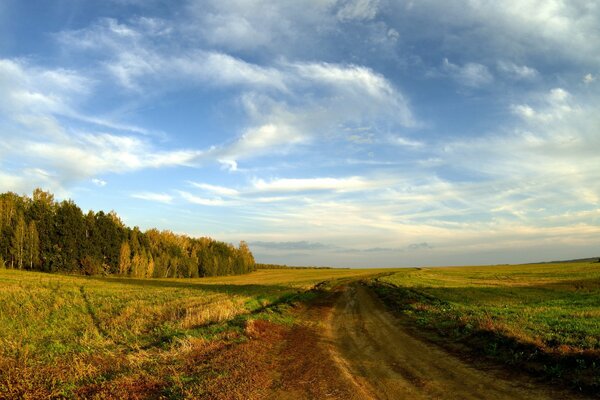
pixel 549 313
pixel 59 333
pixel 108 337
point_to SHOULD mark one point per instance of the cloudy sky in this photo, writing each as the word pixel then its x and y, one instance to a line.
pixel 329 132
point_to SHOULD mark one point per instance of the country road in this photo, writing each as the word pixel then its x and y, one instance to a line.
pixel 345 345
pixel 377 354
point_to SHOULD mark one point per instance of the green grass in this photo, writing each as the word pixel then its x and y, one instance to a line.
pixel 94 329
pixel 520 314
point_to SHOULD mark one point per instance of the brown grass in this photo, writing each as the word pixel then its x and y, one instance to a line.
pixel 122 338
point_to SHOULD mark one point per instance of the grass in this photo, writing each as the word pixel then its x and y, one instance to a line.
pixel 61 335
pixel 107 337
pixel 544 317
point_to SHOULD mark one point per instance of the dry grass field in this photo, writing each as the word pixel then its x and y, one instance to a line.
pixel 74 336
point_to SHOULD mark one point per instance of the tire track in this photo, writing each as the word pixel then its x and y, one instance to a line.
pixel 92 313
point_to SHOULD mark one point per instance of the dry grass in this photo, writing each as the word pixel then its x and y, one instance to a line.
pixel 74 336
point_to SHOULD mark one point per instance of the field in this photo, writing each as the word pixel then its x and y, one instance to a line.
pixel 79 336
pixel 304 333
pixel 544 317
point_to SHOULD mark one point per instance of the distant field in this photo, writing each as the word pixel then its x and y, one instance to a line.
pixel 520 313
pixel 59 333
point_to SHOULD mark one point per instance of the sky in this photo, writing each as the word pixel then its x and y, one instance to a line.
pixel 357 133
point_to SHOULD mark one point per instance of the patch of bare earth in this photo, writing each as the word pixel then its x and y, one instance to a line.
pixel 277 362
pixel 308 370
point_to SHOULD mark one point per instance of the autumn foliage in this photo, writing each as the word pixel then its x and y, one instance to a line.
pixel 39 233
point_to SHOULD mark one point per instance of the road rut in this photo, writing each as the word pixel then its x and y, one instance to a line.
pixel 377 353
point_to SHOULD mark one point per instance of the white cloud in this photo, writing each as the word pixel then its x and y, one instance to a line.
pixel 546 166
pixel 230 165
pixel 265 138
pixel 393 34
pixel 361 138
pixel 588 78
pixel 36 108
pixel 136 57
pixel 348 84
pixel 27 90
pixel 404 142
pixel 99 182
pixel 156 197
pixel 535 184
pixel 356 83
pixel 419 210
pixel 211 68
pixel 219 190
pixel 470 74
pixel 287 103
pixel 247 25
pixel 353 183
pixel 83 155
pixel 512 29
pixel 517 71
pixel 358 10
pixel 278 127
pixel 554 105
pixel 34 95
pixel 201 200
pixel 233 30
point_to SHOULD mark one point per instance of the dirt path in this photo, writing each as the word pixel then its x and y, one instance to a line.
pixel 344 345
pixel 375 351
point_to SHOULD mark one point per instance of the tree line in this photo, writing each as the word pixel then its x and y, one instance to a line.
pixel 39 233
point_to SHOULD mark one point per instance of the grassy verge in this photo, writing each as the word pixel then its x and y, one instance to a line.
pixel 75 336
pixel 543 318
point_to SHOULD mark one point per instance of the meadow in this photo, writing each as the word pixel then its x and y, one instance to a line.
pixel 70 336
pixel 543 317
pixel 73 336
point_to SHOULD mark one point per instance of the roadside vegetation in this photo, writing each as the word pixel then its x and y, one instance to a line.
pixel 113 337
pixel 541 317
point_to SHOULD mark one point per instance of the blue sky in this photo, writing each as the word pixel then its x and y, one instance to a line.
pixel 345 133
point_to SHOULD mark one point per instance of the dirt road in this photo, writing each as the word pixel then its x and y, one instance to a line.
pixel 346 345
pixel 375 352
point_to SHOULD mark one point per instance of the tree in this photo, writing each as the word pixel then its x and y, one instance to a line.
pixel 150 266
pixel 69 225
pixel 138 267
pixel 245 259
pixel 9 204
pixel 125 259
pixel 108 237
pixel 41 197
pixel 18 242
pixel 32 248
pixel 42 210
pixel 40 234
